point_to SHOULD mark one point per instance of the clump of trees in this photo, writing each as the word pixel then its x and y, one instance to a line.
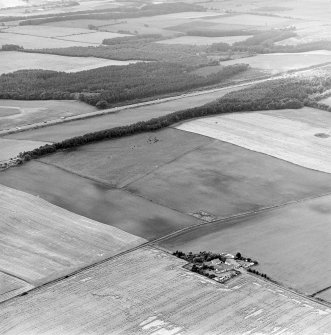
pixel 263 275
pixel 11 47
pixel 202 256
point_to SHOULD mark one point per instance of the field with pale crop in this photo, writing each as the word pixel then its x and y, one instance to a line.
pixel 299 136
pixel 41 242
pixel 13 61
pixel 16 113
pixel 276 63
pixel 198 40
pixel 291 243
pixel 147 291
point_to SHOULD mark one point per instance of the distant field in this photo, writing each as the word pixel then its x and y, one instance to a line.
pixel 57 35
pixel 254 20
pixel 142 25
pixel 120 162
pixel 96 201
pixel 14 113
pixel 224 180
pixel 124 117
pixel 197 40
pixel 290 243
pixel 46 31
pixel 207 25
pixel 11 61
pixel 284 62
pixel 11 148
pixel 148 292
pixel 93 37
pixel 35 42
pixel 298 136
pixel 41 242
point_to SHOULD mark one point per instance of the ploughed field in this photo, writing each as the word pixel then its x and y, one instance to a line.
pixel 300 136
pixel 291 243
pixel 148 291
pixel 17 113
pixel 41 242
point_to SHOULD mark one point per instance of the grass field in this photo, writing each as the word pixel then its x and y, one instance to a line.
pixel 41 242
pixel 124 117
pixel 276 63
pixel 224 180
pixel 121 161
pixel 11 148
pixel 291 243
pixel 197 40
pixel 96 201
pixel 165 299
pixel 15 113
pixel 298 136
pixel 13 61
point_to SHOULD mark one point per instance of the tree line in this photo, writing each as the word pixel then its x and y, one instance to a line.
pixel 276 94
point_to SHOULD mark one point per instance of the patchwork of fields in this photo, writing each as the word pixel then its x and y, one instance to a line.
pixel 41 242
pixel 166 299
pixel 86 234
